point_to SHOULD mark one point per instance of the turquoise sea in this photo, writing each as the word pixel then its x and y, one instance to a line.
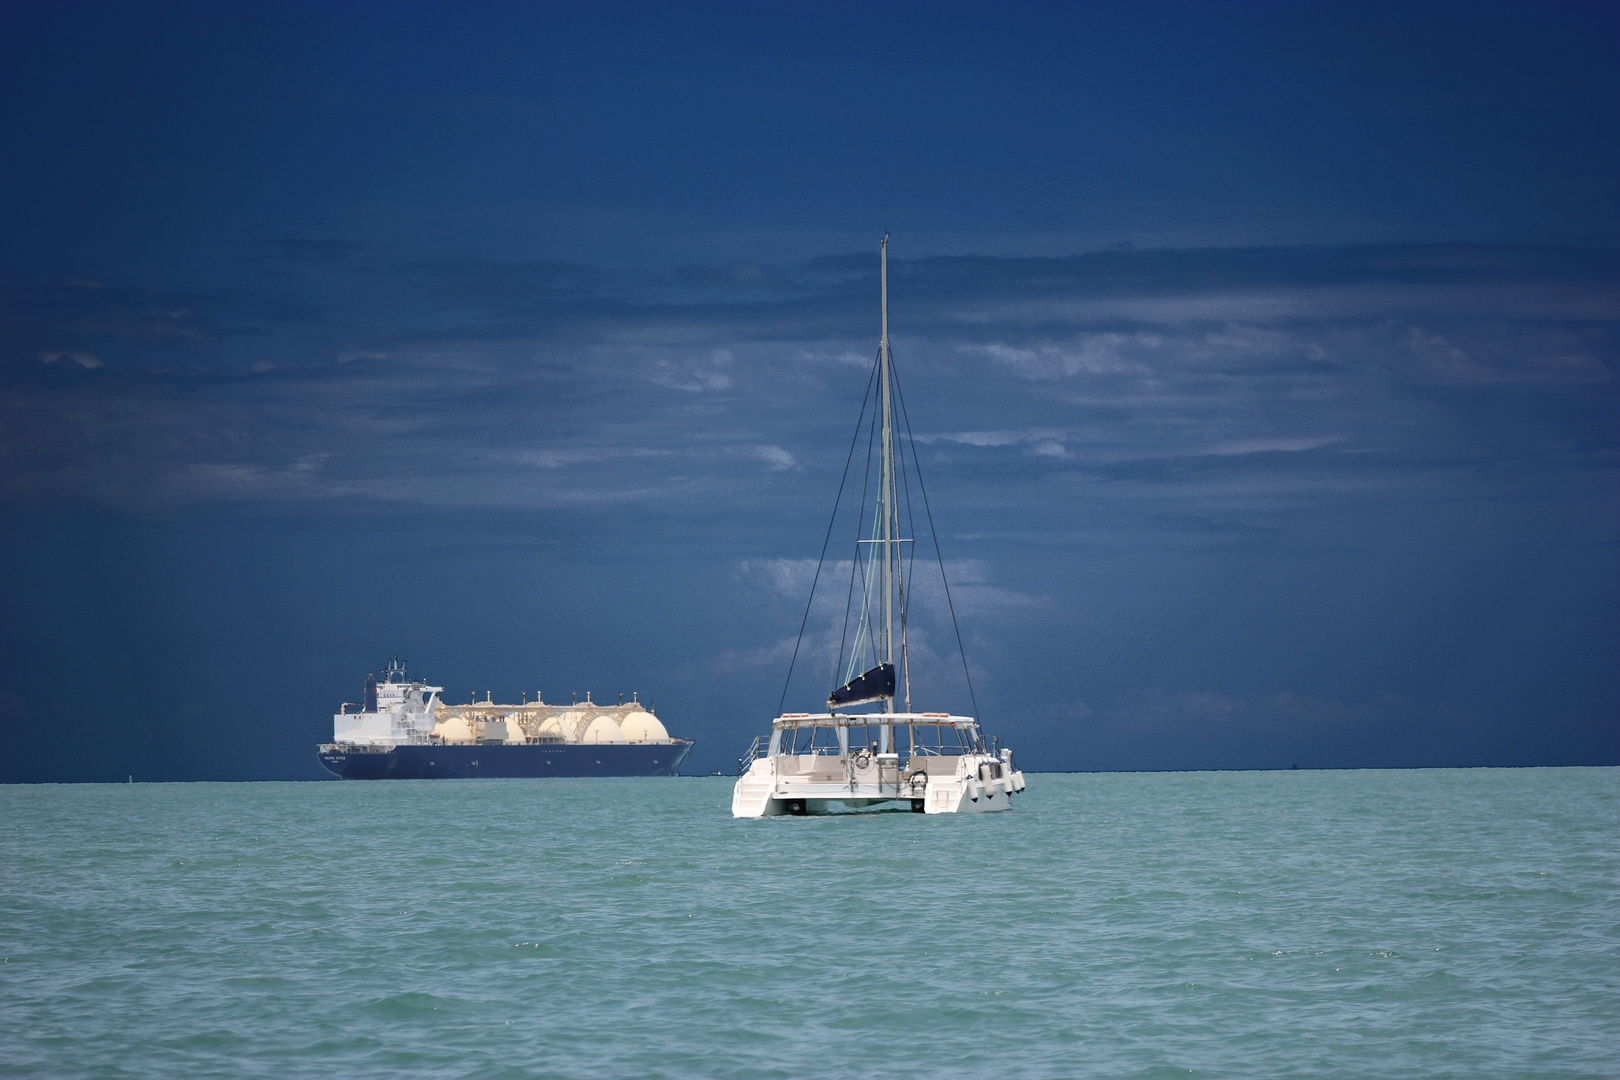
pixel 1385 924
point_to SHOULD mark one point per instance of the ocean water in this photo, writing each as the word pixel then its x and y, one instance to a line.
pixel 1398 923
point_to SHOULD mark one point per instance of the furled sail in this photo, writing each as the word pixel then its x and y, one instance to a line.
pixel 872 686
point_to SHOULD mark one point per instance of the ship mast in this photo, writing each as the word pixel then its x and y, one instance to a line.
pixel 894 589
pixel 875 630
pixel 886 497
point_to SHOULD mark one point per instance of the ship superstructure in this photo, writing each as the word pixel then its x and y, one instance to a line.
pixel 404 730
pixel 395 710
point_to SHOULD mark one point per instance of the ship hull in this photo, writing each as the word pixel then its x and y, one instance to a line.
pixel 497 761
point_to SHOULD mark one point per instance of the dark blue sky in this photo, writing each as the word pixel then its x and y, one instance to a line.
pixel 1264 362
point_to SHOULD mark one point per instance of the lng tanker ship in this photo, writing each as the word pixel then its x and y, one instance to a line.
pixel 404 731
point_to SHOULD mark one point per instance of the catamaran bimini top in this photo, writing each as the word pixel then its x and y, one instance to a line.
pixel 924 733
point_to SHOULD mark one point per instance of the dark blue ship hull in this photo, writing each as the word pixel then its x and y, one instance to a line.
pixel 497 760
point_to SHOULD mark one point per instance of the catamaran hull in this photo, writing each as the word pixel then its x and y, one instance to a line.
pixel 789 807
pixel 493 760
pixel 761 793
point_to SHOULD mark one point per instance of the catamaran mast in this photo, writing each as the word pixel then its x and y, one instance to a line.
pixel 887 536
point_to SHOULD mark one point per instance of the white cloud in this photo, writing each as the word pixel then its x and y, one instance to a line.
pixel 235 480
pixel 981 438
pixel 1041 442
pixel 776 457
pixel 1548 356
pixel 695 376
pixel 556 459
pixel 560 458
pixel 972 593
pixel 1270 446
pixel 790 578
pixel 844 357
pixel 1091 354
pixel 83 359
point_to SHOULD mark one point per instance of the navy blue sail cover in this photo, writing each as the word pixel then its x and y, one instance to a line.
pixel 875 684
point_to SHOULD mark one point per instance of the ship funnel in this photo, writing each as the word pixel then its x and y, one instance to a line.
pixel 371 693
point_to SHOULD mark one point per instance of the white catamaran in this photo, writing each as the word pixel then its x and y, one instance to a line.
pixel 816 763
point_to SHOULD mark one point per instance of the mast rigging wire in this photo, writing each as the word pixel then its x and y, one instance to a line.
pixel 853 439
pixel 909 557
pixel 940 555
pixel 855 563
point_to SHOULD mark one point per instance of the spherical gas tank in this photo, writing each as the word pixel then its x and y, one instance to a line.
pixel 643 727
pixel 454 729
pixel 602 730
pixel 574 722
